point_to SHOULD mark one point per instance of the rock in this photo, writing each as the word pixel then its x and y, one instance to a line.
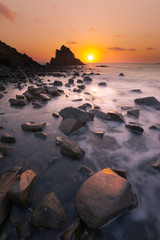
pixel 71 112
pixel 135 128
pixel 121 74
pixel 77 100
pixel 49 213
pixel 71 81
pixel 136 90
pixel 86 172
pixel 57 83
pixel 87 79
pixel 101 66
pixel 20 97
pixel 101 115
pixel 155 127
pixel 69 125
pixel 76 74
pixel 20 192
pixel 85 106
pixel 53 91
pixel 74 231
pixel 32 126
pixel 67 85
pixel 23 230
pixel 28 95
pixel 96 107
pixel 115 116
pixel 77 90
pixel 103 84
pixel 134 113
pixel 18 102
pixel 44 97
pixel 156 164
pixel 79 81
pixel 2 88
pixel 1 159
pixel 1 95
pixel 36 104
pixel 7 179
pixel 103 197
pixel 55 115
pixel 71 149
pixel 42 135
pixel 64 56
pixel 122 173
pixel 8 138
pixel 58 141
pixel 125 108
pixel 148 101
pixel 82 87
pixel 99 133
pixel 6 150
pixel 60 91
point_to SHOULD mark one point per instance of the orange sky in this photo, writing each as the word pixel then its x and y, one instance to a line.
pixel 113 31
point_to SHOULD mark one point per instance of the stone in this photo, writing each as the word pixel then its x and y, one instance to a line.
pixel 121 74
pixel 133 113
pixel 1 95
pixel 76 74
pixel 86 172
pixel 69 125
pixel 101 115
pixel 49 213
pixel 7 179
pixel 82 87
pixel 67 85
pixel 71 149
pixel 20 192
pixel 155 127
pixel 102 65
pixel 20 96
pixel 121 172
pixel 99 133
pixel 115 116
pixel 156 164
pixel 148 101
pixel 17 102
pixel 77 90
pixel 28 95
pixel 136 90
pixel 44 97
pixel 102 197
pixel 71 81
pixel 71 112
pixel 135 128
pixel 8 138
pixel 77 100
pixel 79 81
pixel 36 104
pixel 55 115
pixel 126 108
pixel 2 88
pixel 53 91
pixel 57 83
pixel 32 126
pixel 6 150
pixel 23 230
pixel 87 79
pixel 41 135
pixel 58 141
pixel 85 106
pixel 103 84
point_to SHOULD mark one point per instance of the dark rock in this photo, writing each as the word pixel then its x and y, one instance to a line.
pixel 71 149
pixel 98 196
pixel 67 85
pixel 53 91
pixel 77 100
pixel 122 173
pixel 99 133
pixel 134 113
pixel 87 79
pixel 20 192
pixel 74 231
pixel 102 84
pixel 58 141
pixel 49 213
pixel 1 95
pixel 101 66
pixel 135 128
pixel 42 135
pixel 101 115
pixel 76 74
pixel 125 108
pixel 2 88
pixel 28 95
pixel 148 101
pixel 8 138
pixel 82 87
pixel 7 180
pixel 121 74
pixel 64 56
pixel 156 164
pixel 155 127
pixel 6 150
pixel 85 106
pixel 44 97
pixel 70 112
pixel 55 115
pixel 77 90
pixel 115 116
pixel 86 172
pixel 20 97
pixel 57 83
pixel 31 126
pixel 60 91
pixel 79 81
pixel 1 159
pixel 96 107
pixel 136 90
pixel 36 104
pixel 23 230
pixel 17 102
pixel 71 81
pixel 70 125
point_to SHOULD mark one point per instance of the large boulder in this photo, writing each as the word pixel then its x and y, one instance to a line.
pixel 49 213
pixel 102 197
pixel 148 101
pixel 32 126
pixel 70 125
pixel 71 149
pixel 21 190
pixel 115 116
pixel 101 115
pixel 7 179
pixel 76 113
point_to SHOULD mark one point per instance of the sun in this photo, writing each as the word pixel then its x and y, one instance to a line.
pixel 90 57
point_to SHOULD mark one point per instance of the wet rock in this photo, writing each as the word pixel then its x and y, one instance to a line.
pixel 86 172
pixel 6 150
pixel 148 101
pixel 101 115
pixel 23 230
pixel 87 79
pixel 71 81
pixel 32 126
pixel 121 74
pixel 76 74
pixel 49 213
pixel 28 95
pixel 85 106
pixel 8 138
pixel 60 91
pixel 136 90
pixel 99 133
pixel 44 97
pixel 71 112
pixel 82 87
pixel 115 116
pixel 55 115
pixel 7 180
pixel 96 107
pixel 122 173
pixel 79 81
pixel 41 135
pixel 71 149
pixel 102 65
pixel 102 197
pixel 74 231
pixel 18 102
pixel 133 113
pixel 20 97
pixel 58 141
pixel 156 164
pixel 126 108
pixel 135 128
pixel 53 91
pixel 57 83
pixel 20 192
pixel 36 104
pixel 69 125
pixel 155 127
pixel 67 85
pixel 77 100
pixel 77 90
pixel 103 84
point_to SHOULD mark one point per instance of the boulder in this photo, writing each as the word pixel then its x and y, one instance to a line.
pixel 71 81
pixel 71 149
pixel 53 91
pixel 103 197
pixel 87 79
pixel 148 101
pixel 1 95
pixel 71 112
pixel 57 83
pixel 135 128
pixel 7 180
pixel 32 126
pixel 133 113
pixel 44 96
pixel 41 135
pixel 28 95
pixel 8 138
pixel 101 115
pixel 6 150
pixel 103 84
pixel 68 85
pixel 121 75
pixel 99 133
pixel 115 116
pixel 79 81
pixel 49 213
pixel 20 192
pixel 23 230
pixel 17 102
pixel 20 97
pixel 77 100
pixel 69 125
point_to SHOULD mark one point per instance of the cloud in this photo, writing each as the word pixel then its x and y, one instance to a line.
pixel 121 49
pixel 72 43
pixel 118 36
pixel 7 13
pixel 150 49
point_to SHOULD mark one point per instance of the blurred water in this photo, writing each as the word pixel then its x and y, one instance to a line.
pixel 118 148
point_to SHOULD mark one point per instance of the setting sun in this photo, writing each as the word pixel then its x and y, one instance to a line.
pixel 90 57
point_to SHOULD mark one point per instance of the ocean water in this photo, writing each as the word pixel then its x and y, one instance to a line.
pixel 119 148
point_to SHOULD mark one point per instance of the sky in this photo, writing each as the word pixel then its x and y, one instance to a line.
pixel 112 31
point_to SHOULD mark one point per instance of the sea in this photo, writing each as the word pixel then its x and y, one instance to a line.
pixel 118 149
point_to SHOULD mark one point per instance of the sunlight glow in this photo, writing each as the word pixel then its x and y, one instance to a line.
pixel 90 57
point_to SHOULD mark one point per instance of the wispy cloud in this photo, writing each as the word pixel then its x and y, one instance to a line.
pixel 122 49
pixel 150 49
pixel 7 13
pixel 72 43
